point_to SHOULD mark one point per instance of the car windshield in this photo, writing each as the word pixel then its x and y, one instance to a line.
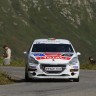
pixel 52 48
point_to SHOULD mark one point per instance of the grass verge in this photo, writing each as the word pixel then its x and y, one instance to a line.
pixel 88 66
pixel 5 78
pixel 17 63
pixel 14 63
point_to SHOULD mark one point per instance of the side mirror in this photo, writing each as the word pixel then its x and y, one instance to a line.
pixel 25 52
pixel 78 53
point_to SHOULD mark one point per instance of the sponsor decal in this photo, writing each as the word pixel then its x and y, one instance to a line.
pixel 40 56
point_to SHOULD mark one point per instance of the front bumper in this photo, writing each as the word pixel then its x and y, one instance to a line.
pixel 38 72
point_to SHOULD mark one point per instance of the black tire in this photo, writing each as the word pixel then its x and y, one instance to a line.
pixel 74 80
pixel 27 79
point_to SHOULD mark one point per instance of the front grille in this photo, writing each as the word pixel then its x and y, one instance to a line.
pixel 44 66
pixel 53 75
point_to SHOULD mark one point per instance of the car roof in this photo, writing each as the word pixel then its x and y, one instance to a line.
pixel 51 41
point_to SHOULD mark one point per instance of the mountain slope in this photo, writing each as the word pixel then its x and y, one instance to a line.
pixel 22 21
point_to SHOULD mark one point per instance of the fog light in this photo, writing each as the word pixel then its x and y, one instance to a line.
pixel 34 73
pixel 72 74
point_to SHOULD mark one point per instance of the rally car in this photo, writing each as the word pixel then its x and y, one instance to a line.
pixel 52 59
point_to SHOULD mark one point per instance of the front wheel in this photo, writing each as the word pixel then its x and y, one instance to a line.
pixel 74 80
pixel 27 77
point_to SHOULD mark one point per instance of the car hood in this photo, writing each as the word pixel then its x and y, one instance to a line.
pixel 53 58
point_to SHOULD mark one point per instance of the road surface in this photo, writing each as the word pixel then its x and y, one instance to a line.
pixel 86 86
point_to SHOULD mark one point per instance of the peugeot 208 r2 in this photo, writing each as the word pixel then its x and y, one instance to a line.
pixel 52 58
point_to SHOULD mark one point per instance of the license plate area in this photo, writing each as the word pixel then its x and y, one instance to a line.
pixel 53 68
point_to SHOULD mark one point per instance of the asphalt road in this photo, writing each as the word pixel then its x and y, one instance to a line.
pixel 86 86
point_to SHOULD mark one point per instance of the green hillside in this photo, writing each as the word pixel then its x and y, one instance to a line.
pixel 22 21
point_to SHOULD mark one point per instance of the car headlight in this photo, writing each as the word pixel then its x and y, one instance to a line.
pixel 32 60
pixel 74 61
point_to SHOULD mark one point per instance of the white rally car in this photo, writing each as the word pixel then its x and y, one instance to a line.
pixel 52 59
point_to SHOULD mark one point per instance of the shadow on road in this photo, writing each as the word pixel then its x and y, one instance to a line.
pixel 48 81
pixel 17 80
pixel 38 81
